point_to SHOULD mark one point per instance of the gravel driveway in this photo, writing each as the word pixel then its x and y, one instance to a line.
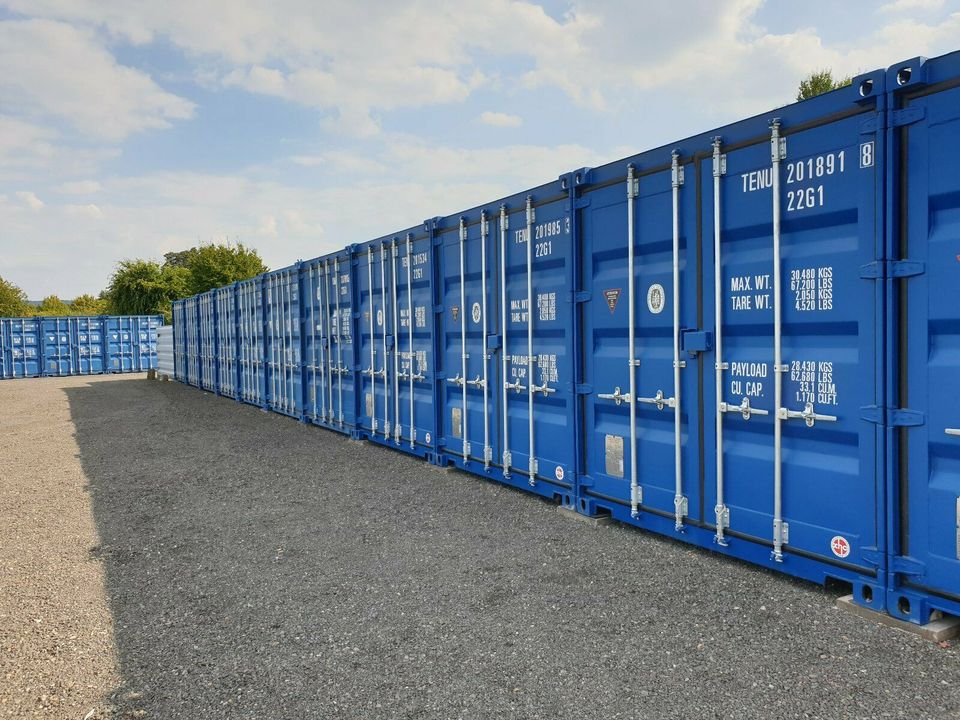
pixel 183 556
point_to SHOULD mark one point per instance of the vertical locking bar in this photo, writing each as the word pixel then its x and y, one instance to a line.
pixel 318 338
pixel 777 152
pixel 373 369
pixel 504 225
pixel 636 495
pixel 397 425
pixel 720 510
pixel 530 361
pixel 340 368
pixel 463 340
pixel 484 229
pixel 413 425
pixel 272 295
pixel 679 501
pixel 386 356
pixel 329 338
pixel 288 347
pixel 313 344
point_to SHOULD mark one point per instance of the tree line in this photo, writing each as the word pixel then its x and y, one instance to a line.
pixel 145 287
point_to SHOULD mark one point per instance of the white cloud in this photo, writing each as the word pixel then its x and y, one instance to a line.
pixel 899 6
pixel 80 187
pixel 51 69
pixel 499 119
pixel 90 211
pixel 30 200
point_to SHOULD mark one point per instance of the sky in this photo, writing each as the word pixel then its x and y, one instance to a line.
pixel 297 127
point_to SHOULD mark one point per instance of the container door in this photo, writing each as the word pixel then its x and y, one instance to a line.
pixel 372 278
pixel 315 344
pixel 642 449
pixel 537 345
pixel 797 358
pixel 58 355
pixel 208 349
pixel 145 349
pixel 89 344
pixel 120 342
pixel 251 342
pixel 416 372
pixel 283 342
pixel 928 315
pixel 227 340
pixel 338 300
pixel 469 297
pixel 193 349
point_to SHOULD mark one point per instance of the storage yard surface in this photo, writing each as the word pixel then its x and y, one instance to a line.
pixel 170 554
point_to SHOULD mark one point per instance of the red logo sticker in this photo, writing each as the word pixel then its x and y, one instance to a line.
pixel 612 296
pixel 840 546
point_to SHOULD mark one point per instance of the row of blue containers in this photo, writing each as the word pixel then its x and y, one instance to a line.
pixel 748 340
pixel 57 346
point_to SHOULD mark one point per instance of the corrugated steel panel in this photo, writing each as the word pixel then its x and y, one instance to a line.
pixel 165 355
pixel 282 313
pixel 922 276
pixel 226 333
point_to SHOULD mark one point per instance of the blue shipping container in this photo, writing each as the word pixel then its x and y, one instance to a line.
pixel 20 347
pixel 743 340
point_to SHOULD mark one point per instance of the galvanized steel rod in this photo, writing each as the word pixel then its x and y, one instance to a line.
pixel 313 343
pixel 413 425
pixel 720 510
pixel 372 370
pixel 635 493
pixel 532 472
pixel 504 225
pixel 386 356
pixel 340 368
pixel 317 300
pixel 397 425
pixel 484 229
pixel 329 328
pixel 463 340
pixel 289 347
pixel 678 500
pixel 778 540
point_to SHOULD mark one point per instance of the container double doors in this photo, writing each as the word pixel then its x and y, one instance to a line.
pixel 208 340
pixel 925 345
pixel 508 354
pixel 376 277
pixel 328 344
pixel 250 341
pixel 282 309
pixel 641 408
pixel 72 346
pixel 744 400
pixel 19 348
pixel 225 299
pixel 131 343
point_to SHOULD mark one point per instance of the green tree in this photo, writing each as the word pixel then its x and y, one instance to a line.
pixel 13 300
pixel 142 287
pixel 213 266
pixel 818 83
pixel 52 306
pixel 88 305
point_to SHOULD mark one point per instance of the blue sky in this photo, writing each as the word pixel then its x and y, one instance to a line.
pixel 298 127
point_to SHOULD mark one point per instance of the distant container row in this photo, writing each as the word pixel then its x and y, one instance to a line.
pixel 747 340
pixel 56 346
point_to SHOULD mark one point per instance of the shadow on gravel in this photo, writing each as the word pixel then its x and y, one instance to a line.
pixel 260 568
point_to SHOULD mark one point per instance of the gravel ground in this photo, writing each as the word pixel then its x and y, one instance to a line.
pixel 248 566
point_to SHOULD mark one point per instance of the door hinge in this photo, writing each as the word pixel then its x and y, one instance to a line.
pixel 872 555
pixel 874 414
pixel 583 296
pixel 908 116
pixel 902 417
pixel 584 389
pixel 581 203
pixel 585 481
pixel 906 565
pixel 892 268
